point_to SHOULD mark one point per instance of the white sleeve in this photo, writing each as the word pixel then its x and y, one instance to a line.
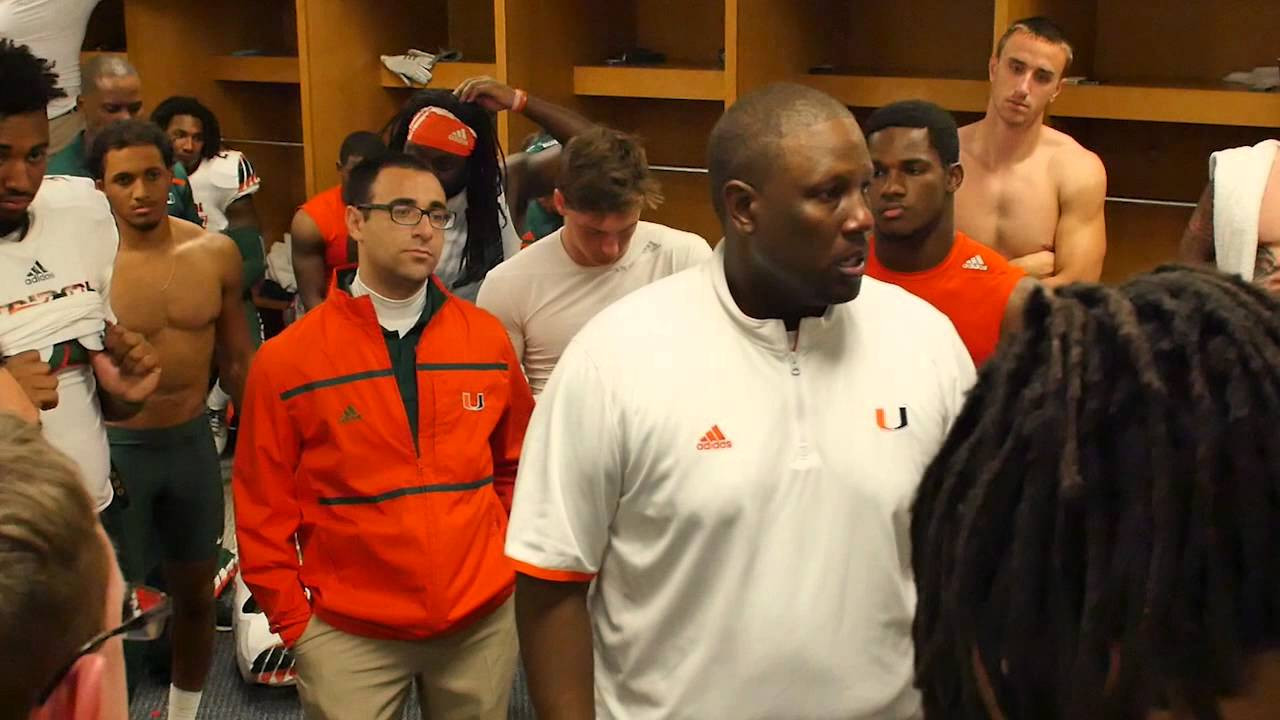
pixel 570 477
pixel 956 373
pixel 494 298
pixel 510 238
pixel 696 253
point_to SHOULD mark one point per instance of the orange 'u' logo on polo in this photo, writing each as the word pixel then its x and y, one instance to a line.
pixel 883 423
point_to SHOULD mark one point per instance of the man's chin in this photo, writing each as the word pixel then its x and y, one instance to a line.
pixel 145 227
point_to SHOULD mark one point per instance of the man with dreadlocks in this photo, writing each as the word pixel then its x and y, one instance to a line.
pixel 452 133
pixel 1097 537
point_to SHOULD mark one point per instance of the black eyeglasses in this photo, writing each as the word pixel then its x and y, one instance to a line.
pixel 407 214
pixel 147 609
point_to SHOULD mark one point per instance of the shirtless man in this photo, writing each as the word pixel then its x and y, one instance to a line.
pixel 1236 225
pixel 1031 192
pixel 180 286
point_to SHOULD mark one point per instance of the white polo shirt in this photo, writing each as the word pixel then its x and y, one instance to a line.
pixel 55 289
pixel 543 297
pixel 743 508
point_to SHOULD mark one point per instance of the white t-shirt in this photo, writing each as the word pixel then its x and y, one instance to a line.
pixel 744 509
pixel 219 181
pixel 54 29
pixel 543 297
pixel 56 289
pixel 449 269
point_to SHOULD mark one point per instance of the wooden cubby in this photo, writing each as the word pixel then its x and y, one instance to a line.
pixel 1159 109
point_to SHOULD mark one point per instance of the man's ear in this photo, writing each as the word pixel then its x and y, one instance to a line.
pixel 739 200
pixel 79 697
pixel 992 64
pixel 100 185
pixel 557 199
pixel 355 223
pixel 955 177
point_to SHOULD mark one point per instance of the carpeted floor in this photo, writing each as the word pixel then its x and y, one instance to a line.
pixel 227 697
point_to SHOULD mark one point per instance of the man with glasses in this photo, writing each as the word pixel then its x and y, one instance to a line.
pixel 59 588
pixel 380 437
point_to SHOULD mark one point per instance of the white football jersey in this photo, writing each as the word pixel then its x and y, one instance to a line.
pixel 55 285
pixel 220 181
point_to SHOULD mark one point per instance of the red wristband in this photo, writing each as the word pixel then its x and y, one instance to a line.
pixel 521 99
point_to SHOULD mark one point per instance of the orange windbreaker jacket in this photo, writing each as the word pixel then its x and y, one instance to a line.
pixel 395 539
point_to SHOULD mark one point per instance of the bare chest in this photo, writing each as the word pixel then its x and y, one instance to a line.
pixel 151 294
pixel 1269 221
pixel 1012 209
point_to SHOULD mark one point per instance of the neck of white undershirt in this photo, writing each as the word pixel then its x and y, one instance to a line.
pixel 398 316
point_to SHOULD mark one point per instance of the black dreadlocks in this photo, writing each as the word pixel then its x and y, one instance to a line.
pixel 486 178
pixel 1101 528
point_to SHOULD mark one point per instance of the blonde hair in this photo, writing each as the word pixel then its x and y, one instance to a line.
pixel 53 567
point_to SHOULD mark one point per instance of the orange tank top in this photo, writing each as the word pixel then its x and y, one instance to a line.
pixel 971 287
pixel 330 215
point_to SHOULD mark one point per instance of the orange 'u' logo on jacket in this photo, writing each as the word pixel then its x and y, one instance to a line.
pixel 883 423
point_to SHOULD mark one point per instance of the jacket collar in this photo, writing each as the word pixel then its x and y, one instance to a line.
pixel 360 309
pixel 770 334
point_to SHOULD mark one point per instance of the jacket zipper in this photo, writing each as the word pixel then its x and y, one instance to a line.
pixel 798 405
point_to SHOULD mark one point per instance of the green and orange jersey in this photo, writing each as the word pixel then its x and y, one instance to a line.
pixel 971 287
pixel 391 460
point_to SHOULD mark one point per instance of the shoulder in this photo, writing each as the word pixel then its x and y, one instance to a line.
pixel 538 258
pixel 669 240
pixel 481 328
pixel 219 248
pixel 1072 164
pixel 64 192
pixel 886 309
pixel 228 169
pixel 666 311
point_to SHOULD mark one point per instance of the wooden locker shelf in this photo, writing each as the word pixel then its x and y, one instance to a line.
pixel 444 75
pixel 873 91
pixel 1208 105
pixel 256 69
pixel 665 83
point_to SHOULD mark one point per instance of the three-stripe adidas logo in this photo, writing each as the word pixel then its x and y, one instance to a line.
pixel 714 440
pixel 975 263
pixel 460 136
pixel 349 415
pixel 38 274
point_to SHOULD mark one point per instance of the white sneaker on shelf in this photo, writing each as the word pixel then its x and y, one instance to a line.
pixel 413 67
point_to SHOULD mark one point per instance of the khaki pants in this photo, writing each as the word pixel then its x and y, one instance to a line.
pixel 465 675
pixel 63 129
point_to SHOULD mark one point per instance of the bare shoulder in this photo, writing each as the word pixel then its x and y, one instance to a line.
pixel 1071 163
pixel 969 136
pixel 216 249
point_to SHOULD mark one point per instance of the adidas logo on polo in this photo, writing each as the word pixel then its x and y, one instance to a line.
pixel 460 136
pixel 714 440
pixel 975 263
pixel 38 274
pixel 349 415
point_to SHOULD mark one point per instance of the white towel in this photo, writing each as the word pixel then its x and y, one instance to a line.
pixel 1239 178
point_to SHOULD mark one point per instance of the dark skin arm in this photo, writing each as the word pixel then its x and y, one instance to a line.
pixel 233 348
pixel 555 640
pixel 528 175
pixel 242 213
pixel 1012 322
pixel 1197 240
pixel 128 371
pixel 308 259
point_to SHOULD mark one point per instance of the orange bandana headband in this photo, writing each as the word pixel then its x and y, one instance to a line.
pixel 438 128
